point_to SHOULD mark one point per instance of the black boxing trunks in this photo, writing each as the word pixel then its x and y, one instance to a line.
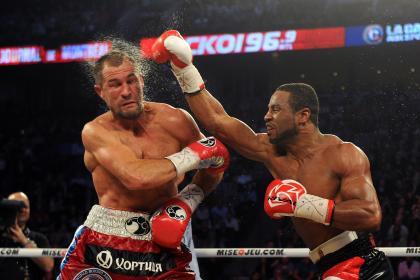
pixel 349 256
pixel 114 244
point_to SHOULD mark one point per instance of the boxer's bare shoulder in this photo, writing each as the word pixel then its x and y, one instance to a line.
pixel 345 157
pixel 174 121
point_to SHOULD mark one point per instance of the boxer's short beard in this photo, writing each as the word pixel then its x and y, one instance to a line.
pixel 131 115
pixel 283 137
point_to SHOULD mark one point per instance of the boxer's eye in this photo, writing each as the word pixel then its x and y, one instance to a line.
pixel 132 81
pixel 114 83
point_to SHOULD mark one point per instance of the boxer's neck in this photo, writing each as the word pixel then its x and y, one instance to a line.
pixel 304 144
pixel 134 125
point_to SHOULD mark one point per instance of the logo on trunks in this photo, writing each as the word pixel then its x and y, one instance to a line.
pixel 208 142
pixel 137 226
pixel 92 274
pixel 104 259
pixel 129 262
pixel 176 212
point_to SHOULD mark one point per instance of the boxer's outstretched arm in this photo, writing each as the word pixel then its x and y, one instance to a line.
pixel 122 163
pixel 171 46
pixel 359 208
pixel 231 131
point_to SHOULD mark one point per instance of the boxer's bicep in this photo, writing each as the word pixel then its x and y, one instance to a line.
pixel 231 131
pixel 356 181
pixel 107 150
pixel 357 206
pixel 236 134
pixel 357 188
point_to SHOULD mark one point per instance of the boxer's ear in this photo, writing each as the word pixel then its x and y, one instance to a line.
pixel 98 90
pixel 303 116
pixel 141 80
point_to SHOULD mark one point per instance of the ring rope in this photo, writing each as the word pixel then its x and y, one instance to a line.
pixel 213 252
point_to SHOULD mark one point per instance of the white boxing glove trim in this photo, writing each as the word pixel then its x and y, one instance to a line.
pixel 314 208
pixel 189 78
pixel 184 161
pixel 192 195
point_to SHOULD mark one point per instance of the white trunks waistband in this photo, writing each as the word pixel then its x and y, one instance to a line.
pixel 332 245
pixel 135 225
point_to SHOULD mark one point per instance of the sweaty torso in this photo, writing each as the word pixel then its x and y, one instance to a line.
pixel 159 134
pixel 317 174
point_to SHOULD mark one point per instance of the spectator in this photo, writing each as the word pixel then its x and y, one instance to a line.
pixel 398 233
pixel 19 235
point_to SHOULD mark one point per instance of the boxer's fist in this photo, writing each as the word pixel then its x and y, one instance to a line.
pixel 170 46
pixel 213 154
pixel 170 222
pixel 289 198
pixel 206 153
pixel 281 197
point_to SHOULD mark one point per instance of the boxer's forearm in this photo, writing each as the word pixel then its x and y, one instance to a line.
pixel 146 173
pixel 208 110
pixel 231 131
pixel 357 214
pixel 206 181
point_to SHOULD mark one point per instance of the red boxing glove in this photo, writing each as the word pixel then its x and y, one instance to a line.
pixel 170 222
pixel 289 198
pixel 170 46
pixel 281 197
pixel 161 50
pixel 206 153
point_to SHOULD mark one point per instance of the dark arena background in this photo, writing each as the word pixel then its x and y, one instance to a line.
pixel 361 56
